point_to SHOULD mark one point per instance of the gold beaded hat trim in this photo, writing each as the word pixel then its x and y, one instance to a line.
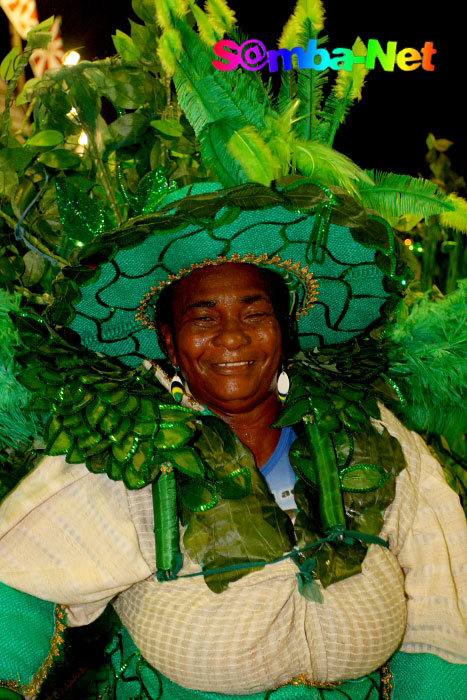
pixel 306 278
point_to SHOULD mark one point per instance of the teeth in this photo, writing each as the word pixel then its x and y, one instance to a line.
pixel 235 364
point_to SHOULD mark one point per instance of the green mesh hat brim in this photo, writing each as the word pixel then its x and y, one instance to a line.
pixel 356 265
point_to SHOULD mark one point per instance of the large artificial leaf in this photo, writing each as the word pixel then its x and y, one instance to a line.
pixel 252 529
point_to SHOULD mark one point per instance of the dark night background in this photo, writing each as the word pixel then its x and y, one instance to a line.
pixel 388 128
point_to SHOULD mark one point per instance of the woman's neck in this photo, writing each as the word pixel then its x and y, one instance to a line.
pixel 253 428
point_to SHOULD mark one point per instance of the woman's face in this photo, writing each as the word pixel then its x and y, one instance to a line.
pixel 227 339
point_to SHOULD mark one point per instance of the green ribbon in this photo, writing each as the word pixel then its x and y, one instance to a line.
pixel 331 506
pixel 307 585
pixel 164 497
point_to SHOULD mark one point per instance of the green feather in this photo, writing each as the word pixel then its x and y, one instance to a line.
pixel 428 360
pixel 327 165
pixel 17 426
pixel 213 140
pixel 255 157
pixel 394 195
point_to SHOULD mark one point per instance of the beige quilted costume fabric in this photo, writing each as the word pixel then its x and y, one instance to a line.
pixel 80 539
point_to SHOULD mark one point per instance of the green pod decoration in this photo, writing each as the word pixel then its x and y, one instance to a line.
pixel 331 505
pixel 164 497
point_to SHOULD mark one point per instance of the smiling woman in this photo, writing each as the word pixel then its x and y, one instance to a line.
pixel 227 342
pixel 218 591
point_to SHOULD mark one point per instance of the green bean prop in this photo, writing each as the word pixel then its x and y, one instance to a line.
pixel 164 496
pixel 327 475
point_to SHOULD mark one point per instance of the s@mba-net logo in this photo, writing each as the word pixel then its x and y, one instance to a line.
pixel 253 55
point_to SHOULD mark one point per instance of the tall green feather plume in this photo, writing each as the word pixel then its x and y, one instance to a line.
pixel 221 16
pixel 305 23
pixel 428 360
pixel 295 31
pixel 17 426
pixel 347 88
pixel 207 30
pixel 349 83
pixel 393 196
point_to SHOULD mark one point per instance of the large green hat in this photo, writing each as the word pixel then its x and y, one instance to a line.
pixel 338 259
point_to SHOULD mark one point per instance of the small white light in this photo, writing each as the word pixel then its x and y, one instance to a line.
pixel 71 58
pixel 83 139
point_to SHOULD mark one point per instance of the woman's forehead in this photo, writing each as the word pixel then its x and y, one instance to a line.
pixel 239 280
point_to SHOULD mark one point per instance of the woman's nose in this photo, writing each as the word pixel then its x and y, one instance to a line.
pixel 232 334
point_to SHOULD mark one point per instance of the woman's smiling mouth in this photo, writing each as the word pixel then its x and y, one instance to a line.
pixel 233 364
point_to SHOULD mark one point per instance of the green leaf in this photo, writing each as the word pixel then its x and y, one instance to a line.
pixel 75 456
pixel 45 139
pixel 148 410
pixel 186 460
pixel 95 411
pixel 34 268
pixel 16 158
pixel 85 98
pixel 39 40
pixel 145 429
pixel 99 463
pixel 125 46
pixel 125 131
pixel 132 479
pixel 251 529
pixel 44 26
pixel 129 406
pixel 198 495
pixel 145 9
pixel 174 414
pixel 8 176
pixel 293 413
pixel 30 379
pixel 122 450
pixel 235 485
pixel 363 477
pixel 7 66
pixel 80 215
pixel 27 92
pixel 171 128
pixel 60 158
pixel 170 437
pixel 115 397
pixel 125 87
pixel 60 444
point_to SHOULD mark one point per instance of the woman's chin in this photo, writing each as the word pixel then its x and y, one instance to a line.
pixel 241 400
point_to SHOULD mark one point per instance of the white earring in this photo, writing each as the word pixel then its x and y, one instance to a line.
pixel 283 385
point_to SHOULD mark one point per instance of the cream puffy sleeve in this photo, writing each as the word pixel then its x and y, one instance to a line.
pixel 427 531
pixel 67 535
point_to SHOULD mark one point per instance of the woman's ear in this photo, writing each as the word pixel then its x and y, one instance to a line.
pixel 167 335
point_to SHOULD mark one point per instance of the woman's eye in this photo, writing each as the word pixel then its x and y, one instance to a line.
pixel 257 314
pixel 203 318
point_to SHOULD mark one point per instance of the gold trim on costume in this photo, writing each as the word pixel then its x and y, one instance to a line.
pixel 302 679
pixel 39 677
pixel 387 681
pixel 306 277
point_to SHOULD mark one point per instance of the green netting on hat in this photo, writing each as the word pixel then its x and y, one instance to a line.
pixel 353 261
